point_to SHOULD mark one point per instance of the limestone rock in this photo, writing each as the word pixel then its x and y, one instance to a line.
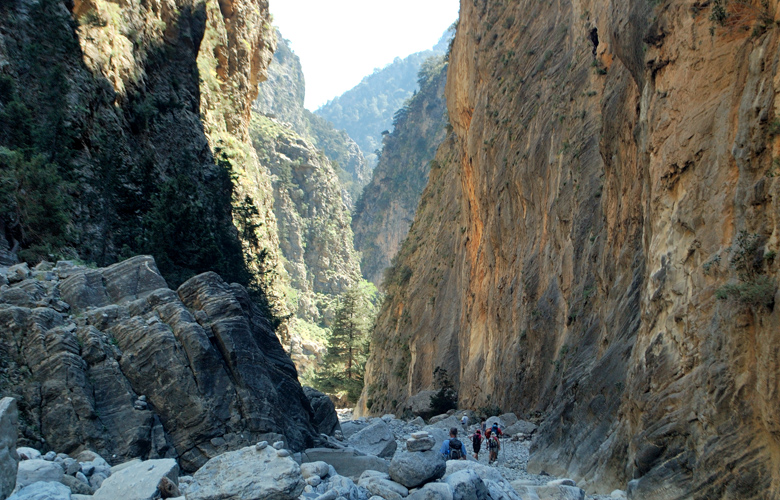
pixel 33 471
pixel 138 482
pixel 375 439
pixel 43 491
pixel 136 375
pixel 326 420
pixel 27 453
pixel 381 485
pixel 9 460
pixel 347 462
pixel 351 427
pixel 77 486
pixel 247 474
pixel 467 485
pixel 521 427
pixel 310 469
pixel 433 491
pixel 413 469
pixel 421 444
pixel 549 492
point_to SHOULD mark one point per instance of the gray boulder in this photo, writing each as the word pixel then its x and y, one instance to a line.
pixel 347 462
pixel 548 492
pixel 381 485
pixel 26 453
pixel 130 335
pixel 351 427
pixel 17 273
pixel 311 469
pixel 418 421
pixel 248 474
pixel 9 460
pixel 77 486
pixel 432 491
pixel 413 469
pixel 139 482
pixel 508 418
pixel 421 444
pixel 420 403
pixel 376 439
pixel 42 491
pixel 521 427
pixel 467 485
pixel 33 471
pixel 326 420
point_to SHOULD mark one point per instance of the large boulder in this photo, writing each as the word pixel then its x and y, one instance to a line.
pixel 140 370
pixel 381 485
pixel 413 469
pixel 548 492
pixel 432 491
pixel 521 427
pixel 508 418
pixel 420 404
pixel 9 460
pixel 325 420
pixel 467 485
pixel 142 481
pixel 376 439
pixel 351 427
pixel 248 474
pixel 33 471
pixel 348 462
pixel 43 491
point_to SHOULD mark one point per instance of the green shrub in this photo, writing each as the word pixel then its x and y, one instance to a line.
pixel 754 287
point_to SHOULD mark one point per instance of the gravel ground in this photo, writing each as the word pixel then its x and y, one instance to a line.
pixel 512 459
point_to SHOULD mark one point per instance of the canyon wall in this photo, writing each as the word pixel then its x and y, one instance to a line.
pixel 597 243
pixel 386 208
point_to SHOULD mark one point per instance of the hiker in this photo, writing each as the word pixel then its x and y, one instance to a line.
pixel 484 427
pixel 452 448
pixel 476 443
pixel 493 445
pixel 494 430
pixel 465 422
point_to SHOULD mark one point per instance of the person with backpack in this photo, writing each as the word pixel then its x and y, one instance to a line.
pixel 452 448
pixel 476 443
pixel 493 445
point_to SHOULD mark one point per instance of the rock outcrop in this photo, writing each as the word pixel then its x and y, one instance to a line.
pixel 113 360
pixel 281 97
pixel 9 460
pixel 612 172
pixel 386 208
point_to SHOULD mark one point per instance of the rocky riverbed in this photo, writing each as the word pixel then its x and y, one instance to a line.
pixel 365 459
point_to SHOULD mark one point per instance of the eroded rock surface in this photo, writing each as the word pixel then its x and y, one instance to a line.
pixel 9 460
pixel 567 256
pixel 135 369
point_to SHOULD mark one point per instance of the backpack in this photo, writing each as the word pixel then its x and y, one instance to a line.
pixel 456 449
pixel 493 443
pixel 476 442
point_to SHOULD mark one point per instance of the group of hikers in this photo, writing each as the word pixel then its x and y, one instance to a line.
pixel 454 449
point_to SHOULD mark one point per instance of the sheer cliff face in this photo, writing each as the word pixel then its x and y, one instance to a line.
pixel 386 209
pixel 132 103
pixel 566 255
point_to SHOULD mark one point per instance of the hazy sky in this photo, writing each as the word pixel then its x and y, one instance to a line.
pixel 341 41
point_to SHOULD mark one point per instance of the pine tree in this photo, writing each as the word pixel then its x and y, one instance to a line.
pixel 344 363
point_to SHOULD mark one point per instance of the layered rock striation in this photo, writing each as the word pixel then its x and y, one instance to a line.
pixel 611 173
pixel 113 360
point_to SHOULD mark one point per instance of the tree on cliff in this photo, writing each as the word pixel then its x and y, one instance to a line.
pixel 344 363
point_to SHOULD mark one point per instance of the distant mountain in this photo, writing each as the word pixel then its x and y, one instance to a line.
pixel 367 110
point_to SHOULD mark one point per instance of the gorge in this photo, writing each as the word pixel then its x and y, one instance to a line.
pixel 574 219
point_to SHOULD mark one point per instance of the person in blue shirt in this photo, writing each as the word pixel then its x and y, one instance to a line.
pixel 453 448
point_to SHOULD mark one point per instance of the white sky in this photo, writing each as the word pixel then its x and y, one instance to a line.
pixel 341 41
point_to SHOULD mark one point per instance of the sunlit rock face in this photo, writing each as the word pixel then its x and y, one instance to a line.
pixel 567 255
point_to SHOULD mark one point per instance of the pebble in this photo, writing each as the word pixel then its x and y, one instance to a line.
pixel 279 445
pixel 282 453
pixel 261 445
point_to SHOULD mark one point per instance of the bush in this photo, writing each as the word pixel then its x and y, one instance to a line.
pixel 446 398
pixel 755 288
